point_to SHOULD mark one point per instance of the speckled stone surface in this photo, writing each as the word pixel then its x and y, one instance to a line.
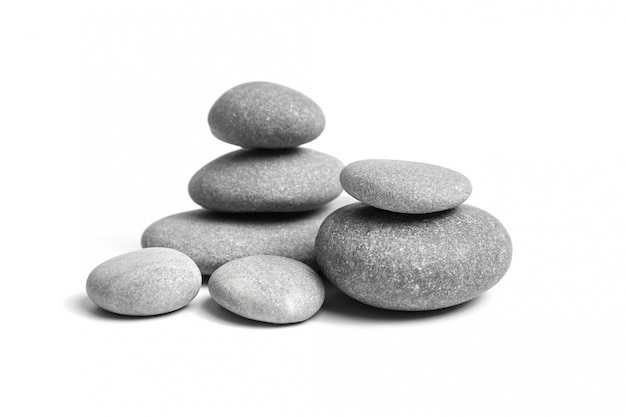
pixel 405 187
pixel 257 180
pixel 265 115
pixel 145 282
pixel 413 262
pixel 268 288
pixel 211 238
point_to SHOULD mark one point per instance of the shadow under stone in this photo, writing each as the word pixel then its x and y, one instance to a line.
pixel 337 305
pixel 82 305
pixel 219 314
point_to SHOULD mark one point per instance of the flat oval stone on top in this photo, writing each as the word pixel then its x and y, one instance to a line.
pixel 258 180
pixel 265 115
pixel 405 187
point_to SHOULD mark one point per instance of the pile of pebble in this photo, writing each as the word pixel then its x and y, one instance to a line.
pixel 266 226
pixel 411 244
pixel 262 206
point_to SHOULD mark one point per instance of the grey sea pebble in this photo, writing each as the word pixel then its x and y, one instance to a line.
pixel 212 238
pixel 413 262
pixel 268 288
pixel 145 282
pixel 405 187
pixel 265 115
pixel 256 180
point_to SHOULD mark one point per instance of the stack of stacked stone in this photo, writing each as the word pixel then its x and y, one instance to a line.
pixel 411 244
pixel 270 214
pixel 268 198
pixel 262 206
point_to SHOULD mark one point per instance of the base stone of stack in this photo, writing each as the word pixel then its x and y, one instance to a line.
pixel 212 238
pixel 413 262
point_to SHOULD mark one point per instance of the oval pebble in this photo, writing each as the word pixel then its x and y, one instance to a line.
pixel 404 186
pixel 212 238
pixel 413 262
pixel 146 282
pixel 265 115
pixel 272 289
pixel 255 180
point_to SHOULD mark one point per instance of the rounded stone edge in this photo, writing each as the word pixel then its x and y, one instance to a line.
pixel 197 193
pixel 323 267
pixel 319 283
pixel 183 256
pixel 246 143
pixel 391 205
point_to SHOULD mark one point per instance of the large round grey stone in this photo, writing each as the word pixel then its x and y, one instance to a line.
pixel 413 262
pixel 145 282
pixel 212 238
pixel 265 115
pixel 256 180
pixel 268 288
pixel 405 187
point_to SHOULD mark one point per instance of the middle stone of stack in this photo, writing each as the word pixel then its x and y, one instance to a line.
pixel 273 174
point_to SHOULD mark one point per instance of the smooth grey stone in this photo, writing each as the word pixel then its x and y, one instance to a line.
pixel 268 288
pixel 265 115
pixel 212 238
pixel 405 187
pixel 258 180
pixel 146 282
pixel 413 262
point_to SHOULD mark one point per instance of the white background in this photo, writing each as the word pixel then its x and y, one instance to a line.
pixel 104 110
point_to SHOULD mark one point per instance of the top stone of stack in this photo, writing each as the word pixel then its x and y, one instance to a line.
pixel 265 115
pixel 404 186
